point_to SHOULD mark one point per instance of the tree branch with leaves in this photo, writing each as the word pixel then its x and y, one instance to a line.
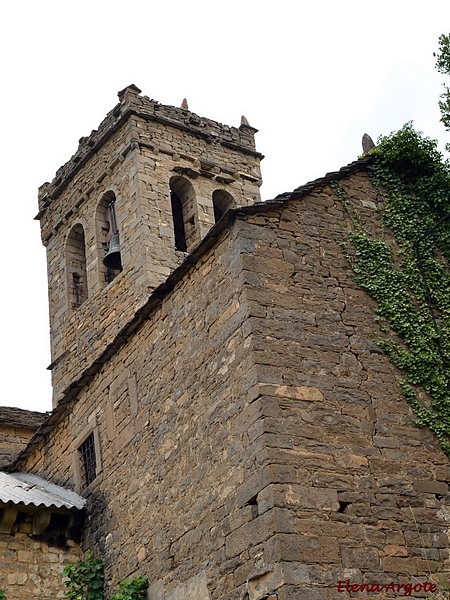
pixel 443 66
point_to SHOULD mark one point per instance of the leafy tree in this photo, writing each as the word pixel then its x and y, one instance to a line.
pixel 443 66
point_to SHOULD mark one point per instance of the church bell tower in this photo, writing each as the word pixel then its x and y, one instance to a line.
pixel 137 197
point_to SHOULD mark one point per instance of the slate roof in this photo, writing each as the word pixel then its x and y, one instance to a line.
pixel 19 417
pixel 31 490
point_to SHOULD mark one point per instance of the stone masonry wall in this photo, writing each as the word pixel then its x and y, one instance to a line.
pixel 12 441
pixel 31 567
pixel 255 444
pixel 164 407
pixel 17 427
pixel 364 492
pixel 136 151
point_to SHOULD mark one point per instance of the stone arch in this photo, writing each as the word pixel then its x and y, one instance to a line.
pixel 222 201
pixel 184 213
pixel 76 267
pixel 105 228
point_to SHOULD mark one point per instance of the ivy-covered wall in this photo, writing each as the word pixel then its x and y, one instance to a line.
pixel 410 279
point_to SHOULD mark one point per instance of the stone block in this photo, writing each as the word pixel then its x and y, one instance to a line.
pixel 431 487
pixel 297 496
pixel 364 559
pixel 308 549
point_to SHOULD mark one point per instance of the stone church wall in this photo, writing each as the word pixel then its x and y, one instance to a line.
pixel 254 441
pixel 165 407
pixel 364 492
pixel 32 567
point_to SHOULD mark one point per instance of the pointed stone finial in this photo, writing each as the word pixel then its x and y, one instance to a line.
pixel 367 143
pixel 184 104
pixel 246 127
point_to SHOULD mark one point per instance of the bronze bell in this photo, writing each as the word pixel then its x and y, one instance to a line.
pixel 112 258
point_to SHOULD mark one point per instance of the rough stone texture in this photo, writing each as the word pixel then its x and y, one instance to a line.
pixel 32 567
pixel 165 406
pixel 254 440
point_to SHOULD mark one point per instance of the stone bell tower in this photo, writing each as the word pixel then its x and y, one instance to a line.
pixel 142 190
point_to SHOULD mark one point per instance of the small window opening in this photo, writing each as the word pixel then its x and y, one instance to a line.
pixel 112 259
pixel 178 223
pixel 343 506
pixel 184 214
pixel 108 240
pixel 222 201
pixel 88 460
pixel 76 267
pixel 253 502
pixel 77 289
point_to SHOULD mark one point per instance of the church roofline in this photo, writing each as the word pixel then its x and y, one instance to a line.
pixel 159 293
pixel 356 165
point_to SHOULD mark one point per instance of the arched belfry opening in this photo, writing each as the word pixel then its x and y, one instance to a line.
pixel 76 267
pixel 222 201
pixel 178 222
pixel 184 213
pixel 108 239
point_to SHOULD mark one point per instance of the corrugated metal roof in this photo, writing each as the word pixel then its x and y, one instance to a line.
pixel 27 489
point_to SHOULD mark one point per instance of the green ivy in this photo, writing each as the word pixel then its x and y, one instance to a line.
pixel 86 580
pixel 2 595
pixel 411 281
pixel 132 589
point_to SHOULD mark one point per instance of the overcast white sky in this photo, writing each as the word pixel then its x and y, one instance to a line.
pixel 311 76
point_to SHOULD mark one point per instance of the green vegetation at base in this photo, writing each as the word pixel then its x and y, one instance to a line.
pixel 86 581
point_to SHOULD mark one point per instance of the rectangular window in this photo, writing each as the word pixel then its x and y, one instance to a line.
pixel 87 463
pixel 88 460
